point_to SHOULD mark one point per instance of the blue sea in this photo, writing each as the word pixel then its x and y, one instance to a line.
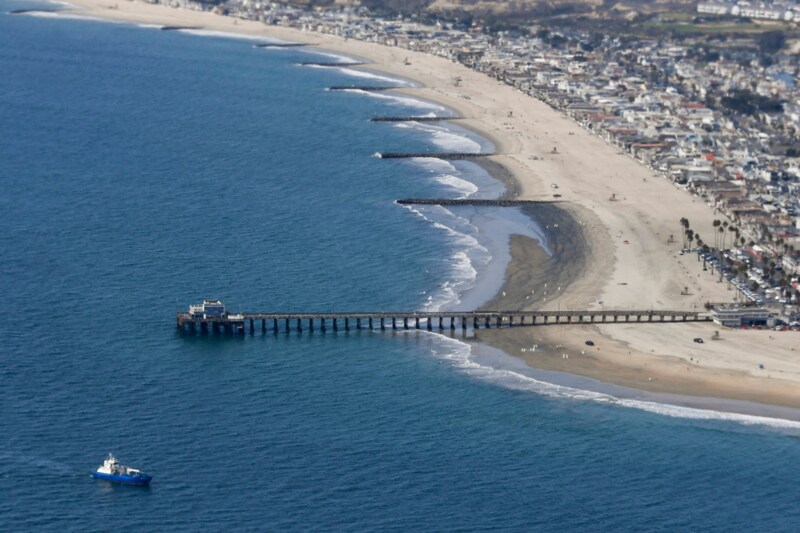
pixel 143 170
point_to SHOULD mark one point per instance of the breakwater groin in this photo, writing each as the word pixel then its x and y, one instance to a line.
pixel 177 28
pixel 363 88
pixel 329 64
pixel 411 119
pixel 23 11
pixel 439 155
pixel 472 201
pixel 280 45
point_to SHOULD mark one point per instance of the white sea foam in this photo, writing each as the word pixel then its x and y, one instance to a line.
pixel 339 58
pixel 446 173
pixel 402 100
pixel 60 3
pixel 470 255
pixel 222 34
pixel 372 76
pixel 66 15
pixel 461 186
pixel 435 165
pixel 459 355
pixel 152 26
pixel 443 137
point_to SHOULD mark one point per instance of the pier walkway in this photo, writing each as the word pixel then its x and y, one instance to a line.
pixel 239 323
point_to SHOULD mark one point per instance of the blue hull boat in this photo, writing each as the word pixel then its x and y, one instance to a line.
pixel 112 471
pixel 141 479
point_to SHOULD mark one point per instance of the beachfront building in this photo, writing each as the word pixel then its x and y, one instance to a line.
pixel 732 316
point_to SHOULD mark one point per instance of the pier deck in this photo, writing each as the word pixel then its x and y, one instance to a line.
pixel 439 320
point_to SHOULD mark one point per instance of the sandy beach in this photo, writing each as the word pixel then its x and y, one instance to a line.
pixel 615 236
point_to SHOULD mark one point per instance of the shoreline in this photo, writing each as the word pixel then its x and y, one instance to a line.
pixel 601 268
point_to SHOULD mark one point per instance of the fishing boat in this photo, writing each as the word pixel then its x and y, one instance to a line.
pixel 111 470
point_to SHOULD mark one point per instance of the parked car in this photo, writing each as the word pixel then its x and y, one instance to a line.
pixel 698 340
pixel 589 343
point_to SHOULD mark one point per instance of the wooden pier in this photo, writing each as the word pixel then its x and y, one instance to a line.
pixel 452 156
pixel 241 323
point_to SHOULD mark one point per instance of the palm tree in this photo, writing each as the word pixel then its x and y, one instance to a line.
pixel 716 225
pixel 685 224
pixel 724 226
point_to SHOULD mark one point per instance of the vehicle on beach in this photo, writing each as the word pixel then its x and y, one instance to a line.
pixel 590 343
pixel 112 471
pixel 698 340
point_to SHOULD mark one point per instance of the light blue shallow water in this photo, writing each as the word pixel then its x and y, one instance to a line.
pixel 142 170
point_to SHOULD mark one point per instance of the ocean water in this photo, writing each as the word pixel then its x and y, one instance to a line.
pixel 144 170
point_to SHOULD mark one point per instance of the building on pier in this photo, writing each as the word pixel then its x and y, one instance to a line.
pixel 733 316
pixel 208 309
